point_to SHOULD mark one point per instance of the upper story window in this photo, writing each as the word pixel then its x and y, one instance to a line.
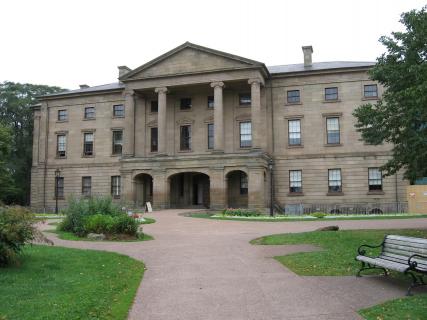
pixel 185 104
pixel 211 102
pixel 243 183
pixel 245 99
pixel 62 115
pixel 185 138
pixel 90 113
pixel 119 110
pixel 334 180
pixel 117 142
pixel 154 106
pixel 245 134
pixel 295 181
pixel 370 91
pixel 331 93
pixel 86 186
pixel 154 140
pixel 294 132
pixel 293 96
pixel 115 186
pixel 88 144
pixel 210 136
pixel 61 145
pixel 375 179
pixel 59 187
pixel 332 130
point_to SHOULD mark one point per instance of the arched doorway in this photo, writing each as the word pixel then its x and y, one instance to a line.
pixel 237 189
pixel 189 190
pixel 143 189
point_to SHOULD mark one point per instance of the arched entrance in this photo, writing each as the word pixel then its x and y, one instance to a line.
pixel 189 190
pixel 237 189
pixel 143 189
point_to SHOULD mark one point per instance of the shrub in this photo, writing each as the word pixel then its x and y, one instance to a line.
pixel 16 229
pixel 319 215
pixel 99 223
pixel 241 212
pixel 124 224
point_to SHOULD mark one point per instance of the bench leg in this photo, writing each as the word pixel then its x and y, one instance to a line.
pixel 416 282
pixel 367 266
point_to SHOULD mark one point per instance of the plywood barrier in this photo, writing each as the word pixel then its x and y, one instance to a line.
pixel 417 198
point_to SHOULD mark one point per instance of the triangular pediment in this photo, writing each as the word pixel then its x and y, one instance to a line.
pixel 190 58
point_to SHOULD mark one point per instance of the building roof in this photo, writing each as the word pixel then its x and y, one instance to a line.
pixel 104 87
pixel 319 66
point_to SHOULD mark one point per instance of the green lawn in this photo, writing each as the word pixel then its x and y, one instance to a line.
pixel 64 235
pixel 205 215
pixel 148 220
pixel 60 283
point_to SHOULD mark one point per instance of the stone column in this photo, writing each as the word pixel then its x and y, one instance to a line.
pixel 217 188
pixel 256 112
pixel 36 137
pixel 140 132
pixel 160 190
pixel 129 131
pixel 218 117
pixel 256 186
pixel 161 120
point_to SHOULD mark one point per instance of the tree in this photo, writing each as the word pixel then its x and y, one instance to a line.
pixel 16 115
pixel 6 182
pixel 400 116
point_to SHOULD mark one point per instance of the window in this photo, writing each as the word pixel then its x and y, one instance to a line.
pixel 115 186
pixel 210 136
pixel 154 143
pixel 333 130
pixel 88 144
pixel 117 141
pixel 295 181
pixel 90 113
pixel 245 134
pixel 59 187
pixel 293 96
pixel 185 138
pixel 245 99
pixel 119 110
pixel 243 183
pixel 211 102
pixel 294 132
pixel 185 103
pixel 370 91
pixel 375 179
pixel 62 115
pixel 86 186
pixel 331 93
pixel 154 106
pixel 334 183
pixel 61 146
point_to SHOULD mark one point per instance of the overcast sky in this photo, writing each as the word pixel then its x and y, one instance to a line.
pixel 67 43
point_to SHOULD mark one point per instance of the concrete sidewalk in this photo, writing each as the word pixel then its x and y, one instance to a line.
pixel 206 269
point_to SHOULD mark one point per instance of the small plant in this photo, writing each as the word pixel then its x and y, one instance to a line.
pixel 241 212
pixel 319 215
pixel 99 223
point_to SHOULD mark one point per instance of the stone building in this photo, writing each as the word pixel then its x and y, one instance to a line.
pixel 197 127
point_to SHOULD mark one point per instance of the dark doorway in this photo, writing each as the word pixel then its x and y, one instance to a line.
pixel 189 190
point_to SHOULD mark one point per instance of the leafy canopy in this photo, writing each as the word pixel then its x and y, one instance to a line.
pixel 400 116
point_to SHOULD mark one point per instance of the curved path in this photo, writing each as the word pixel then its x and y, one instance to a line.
pixel 206 269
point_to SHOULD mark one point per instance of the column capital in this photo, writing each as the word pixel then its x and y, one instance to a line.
pixel 217 84
pixel 258 81
pixel 161 90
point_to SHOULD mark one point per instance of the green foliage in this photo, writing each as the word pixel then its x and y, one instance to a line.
pixel 54 283
pixel 16 229
pixel 119 224
pixel 6 181
pixel 16 100
pixel 400 116
pixel 123 224
pixel 319 215
pixel 241 212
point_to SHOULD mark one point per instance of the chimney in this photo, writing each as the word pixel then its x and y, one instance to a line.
pixel 123 70
pixel 83 86
pixel 308 51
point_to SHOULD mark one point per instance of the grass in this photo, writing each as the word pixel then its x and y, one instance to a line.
pixel 291 219
pixel 64 235
pixel 409 308
pixel 60 283
pixel 148 220
pixel 339 249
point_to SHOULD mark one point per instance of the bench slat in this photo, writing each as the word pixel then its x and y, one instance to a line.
pixel 409 250
pixel 383 263
pixel 411 244
pixel 407 239
pixel 404 260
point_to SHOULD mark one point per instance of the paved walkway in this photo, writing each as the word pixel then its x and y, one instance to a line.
pixel 206 269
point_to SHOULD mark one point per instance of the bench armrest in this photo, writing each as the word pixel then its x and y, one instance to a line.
pixel 362 251
pixel 413 264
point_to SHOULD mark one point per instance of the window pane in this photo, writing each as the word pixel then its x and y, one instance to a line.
pixel 334 180
pixel 210 136
pixel 333 130
pixel 185 138
pixel 245 134
pixel 119 110
pixel 59 187
pixel 115 186
pixel 89 112
pixel 293 96
pixel 154 106
pixel 375 179
pixel 117 142
pixel 295 181
pixel 331 93
pixel 153 139
pixel 88 137
pixel 211 102
pixel 62 115
pixel 370 90
pixel 86 186
pixel 243 183
pixel 185 103
pixel 244 98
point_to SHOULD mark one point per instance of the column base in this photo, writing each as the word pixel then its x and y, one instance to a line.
pixel 218 151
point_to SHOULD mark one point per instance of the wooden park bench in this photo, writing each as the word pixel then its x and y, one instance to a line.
pixel 407 255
